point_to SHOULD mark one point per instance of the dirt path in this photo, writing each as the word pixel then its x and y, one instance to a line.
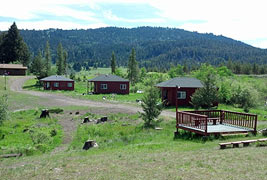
pixel 66 120
pixel 61 100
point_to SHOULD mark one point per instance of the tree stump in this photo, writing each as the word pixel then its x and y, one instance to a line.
pixel 89 144
pixel 45 113
pixel 86 120
pixel 103 119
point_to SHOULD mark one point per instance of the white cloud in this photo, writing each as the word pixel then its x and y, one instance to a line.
pixel 109 15
pixel 46 24
pixel 239 19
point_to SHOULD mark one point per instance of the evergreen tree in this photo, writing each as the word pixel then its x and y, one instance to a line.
pixel 133 70
pixel 150 106
pixel 113 63
pixel 60 60
pixel 37 66
pixel 47 64
pixel 13 48
pixel 208 95
pixel 65 63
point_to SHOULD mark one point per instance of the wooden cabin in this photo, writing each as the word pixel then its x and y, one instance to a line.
pixel 106 84
pixel 58 83
pixel 180 88
pixel 13 69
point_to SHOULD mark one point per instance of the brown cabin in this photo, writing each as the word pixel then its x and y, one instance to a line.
pixel 57 83
pixel 13 69
pixel 106 84
pixel 181 88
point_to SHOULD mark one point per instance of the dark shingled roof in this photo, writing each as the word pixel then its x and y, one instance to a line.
pixel 56 78
pixel 185 82
pixel 108 77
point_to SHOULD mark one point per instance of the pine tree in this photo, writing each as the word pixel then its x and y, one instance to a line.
pixel 13 48
pixel 47 64
pixel 37 66
pixel 113 63
pixel 60 59
pixel 133 70
pixel 150 106
pixel 65 63
pixel 208 95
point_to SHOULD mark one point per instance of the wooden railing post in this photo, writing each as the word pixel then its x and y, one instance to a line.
pixel 255 125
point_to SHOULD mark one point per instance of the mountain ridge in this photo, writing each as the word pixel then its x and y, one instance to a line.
pixel 155 46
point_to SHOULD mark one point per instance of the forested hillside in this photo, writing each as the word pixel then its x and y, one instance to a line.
pixel 155 47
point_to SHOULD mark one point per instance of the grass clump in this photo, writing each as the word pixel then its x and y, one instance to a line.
pixel 26 133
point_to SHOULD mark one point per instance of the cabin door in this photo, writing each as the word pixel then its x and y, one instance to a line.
pixel 165 94
pixel 48 85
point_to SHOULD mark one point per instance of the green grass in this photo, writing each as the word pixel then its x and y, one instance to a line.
pixel 24 132
pixel 127 151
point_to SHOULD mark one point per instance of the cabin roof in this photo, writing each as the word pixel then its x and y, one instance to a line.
pixel 108 77
pixel 56 78
pixel 185 82
pixel 12 66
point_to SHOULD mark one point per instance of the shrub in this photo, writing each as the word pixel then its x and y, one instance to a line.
pixel 3 108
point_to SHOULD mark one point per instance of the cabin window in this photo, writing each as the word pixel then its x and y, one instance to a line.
pixel 104 86
pixel 181 95
pixel 48 85
pixel 123 86
pixel 56 84
pixel 69 85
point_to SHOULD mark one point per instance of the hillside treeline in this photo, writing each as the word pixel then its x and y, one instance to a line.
pixel 155 47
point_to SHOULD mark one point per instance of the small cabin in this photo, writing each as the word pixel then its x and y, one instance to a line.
pixel 13 69
pixel 57 83
pixel 106 84
pixel 180 88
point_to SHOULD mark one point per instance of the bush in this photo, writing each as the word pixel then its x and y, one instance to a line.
pixel 244 98
pixel 3 108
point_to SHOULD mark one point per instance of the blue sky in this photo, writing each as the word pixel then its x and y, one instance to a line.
pixel 243 20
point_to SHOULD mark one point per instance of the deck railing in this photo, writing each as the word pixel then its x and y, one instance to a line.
pixel 187 119
pixel 228 117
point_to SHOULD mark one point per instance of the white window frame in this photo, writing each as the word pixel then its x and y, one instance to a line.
pixel 181 94
pixel 103 86
pixel 69 85
pixel 56 84
pixel 123 86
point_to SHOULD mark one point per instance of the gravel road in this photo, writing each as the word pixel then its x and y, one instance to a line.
pixel 53 99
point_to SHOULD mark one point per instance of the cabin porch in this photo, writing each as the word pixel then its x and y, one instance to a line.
pixel 216 122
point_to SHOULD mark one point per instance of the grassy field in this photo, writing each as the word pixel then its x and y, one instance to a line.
pixel 126 150
pixel 24 132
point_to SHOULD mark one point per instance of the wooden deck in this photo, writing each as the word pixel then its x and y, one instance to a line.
pixel 216 122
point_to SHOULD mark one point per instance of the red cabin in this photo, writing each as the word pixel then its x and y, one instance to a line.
pixel 105 84
pixel 181 88
pixel 58 83
pixel 13 69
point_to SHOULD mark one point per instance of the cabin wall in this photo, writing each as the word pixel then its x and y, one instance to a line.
pixel 112 87
pixel 63 85
pixel 13 72
pixel 172 95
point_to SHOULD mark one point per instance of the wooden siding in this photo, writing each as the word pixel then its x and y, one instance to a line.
pixel 63 85
pixel 112 87
pixel 172 95
pixel 13 72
